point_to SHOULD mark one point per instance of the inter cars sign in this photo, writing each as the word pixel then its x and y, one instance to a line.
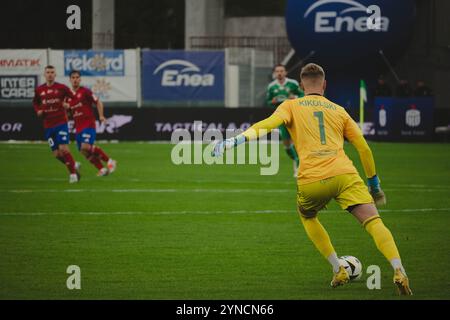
pixel 17 87
pixel 21 71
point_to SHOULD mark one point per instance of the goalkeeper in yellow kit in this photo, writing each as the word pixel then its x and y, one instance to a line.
pixel 318 128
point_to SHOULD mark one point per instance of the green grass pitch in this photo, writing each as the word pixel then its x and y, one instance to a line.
pixel 154 230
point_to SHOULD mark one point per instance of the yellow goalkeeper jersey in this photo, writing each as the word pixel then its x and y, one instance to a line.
pixel 318 127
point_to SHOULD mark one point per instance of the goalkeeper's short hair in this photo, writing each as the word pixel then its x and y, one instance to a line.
pixel 313 72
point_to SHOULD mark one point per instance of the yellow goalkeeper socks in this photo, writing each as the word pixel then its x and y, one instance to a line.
pixel 383 239
pixel 319 236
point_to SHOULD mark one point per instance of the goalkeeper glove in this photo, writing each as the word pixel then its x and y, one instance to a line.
pixel 376 192
pixel 227 144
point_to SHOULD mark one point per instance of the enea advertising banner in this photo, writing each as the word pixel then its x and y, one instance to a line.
pixel 350 39
pixel 21 72
pixel 350 34
pixel 110 74
pixel 183 75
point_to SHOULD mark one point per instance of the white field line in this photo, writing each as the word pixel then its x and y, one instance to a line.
pixel 266 181
pixel 170 190
pixel 202 212
pixel 148 190
pixel 24 143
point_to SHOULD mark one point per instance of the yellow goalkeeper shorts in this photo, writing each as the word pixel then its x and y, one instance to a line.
pixel 347 189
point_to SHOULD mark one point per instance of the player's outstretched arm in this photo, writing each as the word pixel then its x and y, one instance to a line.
pixel 258 129
pixel 354 135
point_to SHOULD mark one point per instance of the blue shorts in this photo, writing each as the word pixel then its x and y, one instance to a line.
pixel 57 135
pixel 86 136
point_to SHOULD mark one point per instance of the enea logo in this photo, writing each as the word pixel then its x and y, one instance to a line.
pixel 327 21
pixel 177 73
pixel 95 63
pixel 343 34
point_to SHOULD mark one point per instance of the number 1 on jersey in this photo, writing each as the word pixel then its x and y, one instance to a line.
pixel 319 115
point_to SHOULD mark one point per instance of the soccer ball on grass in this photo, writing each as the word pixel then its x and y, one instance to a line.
pixel 353 267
